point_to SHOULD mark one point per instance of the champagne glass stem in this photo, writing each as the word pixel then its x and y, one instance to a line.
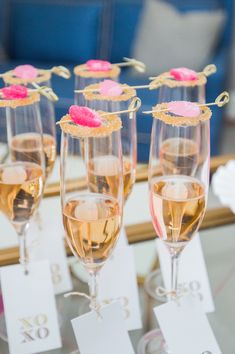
pixel 23 251
pixel 174 274
pixel 93 288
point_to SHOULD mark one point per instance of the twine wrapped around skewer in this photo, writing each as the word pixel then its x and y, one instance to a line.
pixel 93 306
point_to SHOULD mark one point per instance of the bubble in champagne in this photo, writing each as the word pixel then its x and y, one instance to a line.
pixel 14 175
pixel 175 191
pixel 87 210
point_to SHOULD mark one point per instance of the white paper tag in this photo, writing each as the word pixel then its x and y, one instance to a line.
pixel 47 242
pixel 30 309
pixel 186 328
pixel 104 335
pixel 50 245
pixel 192 271
pixel 118 282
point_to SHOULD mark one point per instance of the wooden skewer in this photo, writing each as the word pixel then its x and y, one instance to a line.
pixel 124 88
pixel 43 90
pixel 61 71
pixel 133 107
pixel 207 71
pixel 220 101
pixel 138 65
pixel 46 91
pixel 57 70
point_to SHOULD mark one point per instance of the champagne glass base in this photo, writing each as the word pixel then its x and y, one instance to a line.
pixel 152 282
pixel 153 343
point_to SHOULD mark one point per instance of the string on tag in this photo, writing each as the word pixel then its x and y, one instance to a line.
pixel 94 306
pixel 181 291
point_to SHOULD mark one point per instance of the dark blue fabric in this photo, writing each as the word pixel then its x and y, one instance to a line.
pixel 125 18
pixel 3 21
pixel 55 31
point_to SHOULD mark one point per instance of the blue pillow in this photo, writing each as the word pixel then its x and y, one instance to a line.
pixel 54 30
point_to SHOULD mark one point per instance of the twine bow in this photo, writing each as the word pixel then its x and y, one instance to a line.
pixel 181 291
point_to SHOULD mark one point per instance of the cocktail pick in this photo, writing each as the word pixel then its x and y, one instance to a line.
pixel 181 74
pixel 29 72
pixel 19 91
pixel 191 109
pixel 137 64
pixel 61 71
pixel 85 116
pixel 116 84
pixel 46 91
pixel 133 107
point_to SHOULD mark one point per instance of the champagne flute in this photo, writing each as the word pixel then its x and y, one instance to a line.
pixel 85 76
pixel 47 112
pixel 177 201
pixel 128 133
pixel 21 183
pixel 182 148
pixel 41 78
pixel 92 211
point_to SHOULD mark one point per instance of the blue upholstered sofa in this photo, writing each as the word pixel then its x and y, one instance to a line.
pixel 48 32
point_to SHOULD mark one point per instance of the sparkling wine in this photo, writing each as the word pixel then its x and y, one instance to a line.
pixel 26 147
pixel 21 187
pixel 92 223
pixel 177 205
pixel 103 175
pixel 179 156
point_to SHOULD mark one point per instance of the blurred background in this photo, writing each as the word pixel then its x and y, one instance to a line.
pixel 164 34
